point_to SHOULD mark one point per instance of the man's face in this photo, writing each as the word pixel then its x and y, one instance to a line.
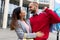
pixel 32 8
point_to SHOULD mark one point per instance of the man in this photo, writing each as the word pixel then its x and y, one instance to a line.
pixel 41 21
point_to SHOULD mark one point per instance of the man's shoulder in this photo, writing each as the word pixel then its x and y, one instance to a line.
pixel 42 13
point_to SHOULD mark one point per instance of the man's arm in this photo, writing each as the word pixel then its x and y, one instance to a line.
pixel 54 18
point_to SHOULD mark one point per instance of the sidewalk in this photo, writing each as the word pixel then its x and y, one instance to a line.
pixel 53 36
pixel 6 34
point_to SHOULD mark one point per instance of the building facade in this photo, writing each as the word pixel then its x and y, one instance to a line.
pixel 7 6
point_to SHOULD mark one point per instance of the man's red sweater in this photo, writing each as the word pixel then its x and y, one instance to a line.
pixel 42 23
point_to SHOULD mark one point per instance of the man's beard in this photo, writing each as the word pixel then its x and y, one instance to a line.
pixel 33 11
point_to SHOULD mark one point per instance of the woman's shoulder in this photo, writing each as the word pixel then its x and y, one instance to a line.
pixel 19 22
pixel 28 21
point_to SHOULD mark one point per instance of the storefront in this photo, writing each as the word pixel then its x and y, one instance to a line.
pixel 1 12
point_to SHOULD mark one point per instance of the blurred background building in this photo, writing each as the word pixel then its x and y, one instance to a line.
pixel 7 6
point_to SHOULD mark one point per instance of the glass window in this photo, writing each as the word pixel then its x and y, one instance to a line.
pixel 12 5
pixel 46 1
pixel 1 11
pixel 41 0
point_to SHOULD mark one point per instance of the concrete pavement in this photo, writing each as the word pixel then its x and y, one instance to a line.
pixel 6 34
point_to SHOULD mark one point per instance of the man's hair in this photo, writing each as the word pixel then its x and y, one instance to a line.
pixel 35 4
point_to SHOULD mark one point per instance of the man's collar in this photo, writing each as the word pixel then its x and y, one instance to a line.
pixel 38 12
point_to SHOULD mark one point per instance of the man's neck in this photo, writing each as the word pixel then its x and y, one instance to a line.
pixel 37 10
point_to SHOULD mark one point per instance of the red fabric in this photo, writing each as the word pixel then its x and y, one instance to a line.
pixel 42 23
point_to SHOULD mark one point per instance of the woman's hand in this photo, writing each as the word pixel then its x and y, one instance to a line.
pixel 39 34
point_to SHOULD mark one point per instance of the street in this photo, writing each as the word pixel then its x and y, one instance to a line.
pixel 6 34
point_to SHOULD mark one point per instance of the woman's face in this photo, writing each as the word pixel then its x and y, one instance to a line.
pixel 22 14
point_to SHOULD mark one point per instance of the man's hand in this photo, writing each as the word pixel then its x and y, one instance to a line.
pixel 39 34
pixel 44 8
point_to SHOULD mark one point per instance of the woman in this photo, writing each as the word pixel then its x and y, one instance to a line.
pixel 21 26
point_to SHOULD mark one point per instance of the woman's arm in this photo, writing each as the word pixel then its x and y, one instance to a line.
pixel 21 34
